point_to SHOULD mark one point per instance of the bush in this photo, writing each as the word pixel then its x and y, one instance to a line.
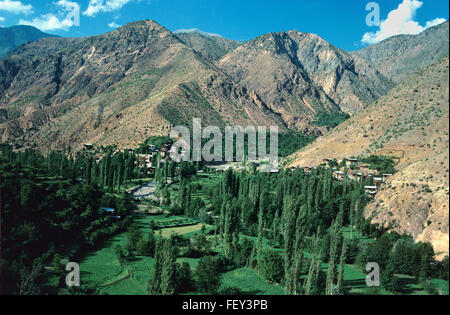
pixel 146 247
pixel 331 120
pixel 207 275
pixel 388 280
pixel 429 287
pixel 404 257
pixel 271 266
pixel 231 291
pixel 184 282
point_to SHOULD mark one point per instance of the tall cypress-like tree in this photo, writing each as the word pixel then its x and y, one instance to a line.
pixel 163 281
pixel 168 276
pixel 340 278
pixel 336 240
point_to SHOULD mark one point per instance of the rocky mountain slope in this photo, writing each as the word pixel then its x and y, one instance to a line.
pixel 117 88
pixel 411 122
pixel 211 47
pixel 300 75
pixel 401 56
pixel 136 81
pixel 14 36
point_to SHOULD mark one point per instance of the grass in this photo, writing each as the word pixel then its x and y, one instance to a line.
pixel 183 230
pixel 250 283
pixel 350 233
pixel 175 223
pixel 102 268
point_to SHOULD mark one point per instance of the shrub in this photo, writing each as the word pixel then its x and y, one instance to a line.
pixel 271 266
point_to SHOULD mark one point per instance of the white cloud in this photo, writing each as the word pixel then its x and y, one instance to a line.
pixel 15 7
pixel 400 21
pixel 2 19
pixel 196 30
pixel 63 20
pixel 48 22
pixel 113 25
pixel 435 22
pixel 98 6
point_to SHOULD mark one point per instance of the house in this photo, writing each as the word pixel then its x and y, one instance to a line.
pixel 372 193
pixel 164 151
pixel 363 166
pixel 351 161
pixel 338 174
pixel 355 176
pixel 145 159
pixel 370 174
pixel 308 169
pixel 98 158
pixel 378 181
pixel 152 148
pixel 371 190
pixel 106 210
pixel 88 146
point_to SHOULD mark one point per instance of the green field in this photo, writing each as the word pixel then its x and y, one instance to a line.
pixel 250 283
pixel 102 268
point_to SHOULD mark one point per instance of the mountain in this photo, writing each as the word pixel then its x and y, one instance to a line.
pixel 138 80
pixel 14 36
pixel 117 88
pixel 401 56
pixel 412 123
pixel 211 47
pixel 300 75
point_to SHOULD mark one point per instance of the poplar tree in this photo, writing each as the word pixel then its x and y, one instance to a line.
pixel 336 239
pixel 163 281
pixel 168 276
pixel 340 278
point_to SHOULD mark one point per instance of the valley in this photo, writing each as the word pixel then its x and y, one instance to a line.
pixel 87 175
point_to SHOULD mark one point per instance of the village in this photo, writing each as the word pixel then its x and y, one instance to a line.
pixel 147 160
pixel 353 169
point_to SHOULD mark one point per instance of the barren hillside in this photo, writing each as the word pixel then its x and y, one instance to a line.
pixel 300 75
pixel 116 88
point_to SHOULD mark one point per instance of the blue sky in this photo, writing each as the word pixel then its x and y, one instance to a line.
pixel 343 23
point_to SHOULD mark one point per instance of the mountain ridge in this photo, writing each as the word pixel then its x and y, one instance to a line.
pixel 292 69
pixel 401 56
pixel 285 78
pixel 110 89
pixel 17 35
